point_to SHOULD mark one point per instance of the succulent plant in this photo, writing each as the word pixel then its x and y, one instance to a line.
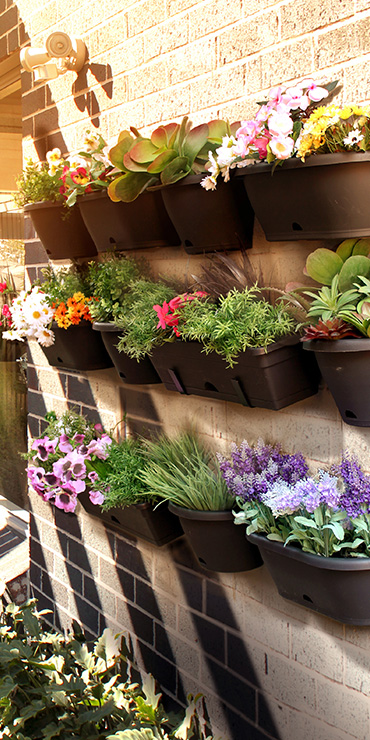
pixel 172 152
pixel 330 329
pixel 350 261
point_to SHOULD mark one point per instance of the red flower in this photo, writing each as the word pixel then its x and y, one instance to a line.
pixel 3 287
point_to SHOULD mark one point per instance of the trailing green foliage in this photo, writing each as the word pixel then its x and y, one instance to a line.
pixel 110 280
pixel 137 320
pixel 55 686
pixel 238 321
pixel 35 184
pixel 184 472
pixel 122 485
pixel 61 285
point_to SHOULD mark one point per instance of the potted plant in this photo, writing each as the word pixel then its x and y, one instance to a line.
pixel 60 229
pixel 337 325
pixel 112 225
pixel 76 461
pixel 183 472
pixel 56 314
pixel 314 536
pixel 304 155
pixel 127 502
pixel 239 348
pixel 170 165
pixel 111 281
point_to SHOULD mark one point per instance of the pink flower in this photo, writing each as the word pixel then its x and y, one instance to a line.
pixel 261 145
pixel 280 124
pixel 64 443
pixel 163 315
pixel 294 98
pixel 314 92
pixel 66 500
pixel 176 302
pixel 96 497
pixel 6 311
pixel 282 146
pixel 3 287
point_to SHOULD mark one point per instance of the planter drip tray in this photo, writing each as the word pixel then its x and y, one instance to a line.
pixel 269 379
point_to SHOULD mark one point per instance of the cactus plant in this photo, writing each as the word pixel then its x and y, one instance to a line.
pixel 172 152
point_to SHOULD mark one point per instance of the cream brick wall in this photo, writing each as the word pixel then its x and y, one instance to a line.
pixel 153 61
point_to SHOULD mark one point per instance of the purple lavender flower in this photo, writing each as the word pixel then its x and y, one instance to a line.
pixel 355 498
pixel 253 469
pixel 304 495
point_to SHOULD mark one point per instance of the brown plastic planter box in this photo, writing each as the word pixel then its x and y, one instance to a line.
pixel 158 526
pixel 269 379
pixel 137 225
pixel 345 367
pixel 325 197
pixel 129 370
pixel 207 221
pixel 61 230
pixel 77 348
pixel 336 587
pixel 217 542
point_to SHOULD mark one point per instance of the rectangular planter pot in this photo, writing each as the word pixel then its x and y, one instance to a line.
pixel 268 379
pixel 325 197
pixel 77 348
pixel 157 526
pixel 129 370
pixel 137 225
pixel 218 544
pixel 207 221
pixel 61 230
pixel 345 367
pixel 336 587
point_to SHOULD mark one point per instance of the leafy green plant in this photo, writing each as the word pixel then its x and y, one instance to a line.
pixel 183 471
pixel 239 320
pixel 172 152
pixel 331 305
pixel 110 280
pixel 121 484
pixel 55 686
pixel 348 262
pixel 138 323
pixel 37 184
pixel 59 285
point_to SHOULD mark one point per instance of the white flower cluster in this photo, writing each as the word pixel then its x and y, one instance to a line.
pixel 31 316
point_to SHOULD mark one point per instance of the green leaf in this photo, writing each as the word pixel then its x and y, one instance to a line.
pixel 117 153
pixel 159 137
pixel 175 170
pixel 305 522
pixel 217 129
pixel 131 185
pixel 131 166
pixel 112 188
pixel 144 151
pixel 336 528
pixel 180 134
pixel 160 162
pixel 355 266
pixel 194 141
pixel 275 537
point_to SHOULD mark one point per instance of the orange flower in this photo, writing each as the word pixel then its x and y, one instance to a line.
pixel 72 313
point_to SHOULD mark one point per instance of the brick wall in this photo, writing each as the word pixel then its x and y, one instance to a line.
pixel 269 669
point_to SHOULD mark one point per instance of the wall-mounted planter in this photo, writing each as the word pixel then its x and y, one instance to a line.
pixel 138 225
pixel 345 367
pixel 129 370
pixel 158 526
pixel 322 198
pixel 207 221
pixel 336 587
pixel 77 348
pixel 61 230
pixel 269 379
pixel 218 544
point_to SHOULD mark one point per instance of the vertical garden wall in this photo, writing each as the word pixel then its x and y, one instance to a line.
pixel 269 668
